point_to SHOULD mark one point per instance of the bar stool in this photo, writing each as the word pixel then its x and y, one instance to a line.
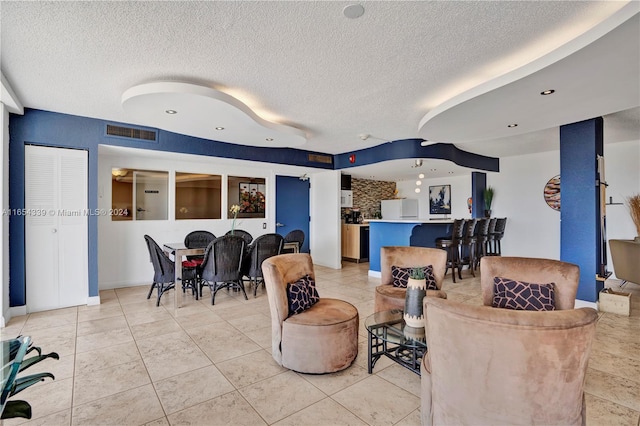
pixel 496 236
pixel 489 243
pixel 482 236
pixel 452 246
pixel 468 245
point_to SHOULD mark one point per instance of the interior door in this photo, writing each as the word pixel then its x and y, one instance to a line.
pixel 56 228
pixel 292 207
pixel 150 200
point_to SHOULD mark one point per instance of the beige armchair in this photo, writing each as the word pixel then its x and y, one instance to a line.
pixel 323 338
pixel 566 276
pixel 625 255
pixel 488 366
pixel 389 297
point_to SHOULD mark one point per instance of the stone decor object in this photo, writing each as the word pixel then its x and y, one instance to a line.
pixel 416 291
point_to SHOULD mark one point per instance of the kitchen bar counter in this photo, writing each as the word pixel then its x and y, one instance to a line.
pixel 403 232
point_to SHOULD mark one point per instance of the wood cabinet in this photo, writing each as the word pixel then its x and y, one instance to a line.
pixel 355 242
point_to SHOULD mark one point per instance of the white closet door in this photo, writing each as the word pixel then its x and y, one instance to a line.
pixel 56 231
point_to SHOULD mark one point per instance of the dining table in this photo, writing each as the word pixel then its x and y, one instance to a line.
pixel 179 250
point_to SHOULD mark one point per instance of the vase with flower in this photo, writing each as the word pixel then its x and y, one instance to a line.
pixel 234 211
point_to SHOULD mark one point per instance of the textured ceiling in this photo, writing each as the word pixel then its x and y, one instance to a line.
pixel 306 65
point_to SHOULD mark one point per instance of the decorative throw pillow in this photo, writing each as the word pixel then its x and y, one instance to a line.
pixel 302 295
pixel 523 296
pixel 401 275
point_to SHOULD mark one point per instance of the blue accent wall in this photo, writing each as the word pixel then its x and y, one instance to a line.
pixel 580 239
pixel 478 185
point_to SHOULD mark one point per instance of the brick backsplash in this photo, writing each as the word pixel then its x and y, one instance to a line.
pixel 367 195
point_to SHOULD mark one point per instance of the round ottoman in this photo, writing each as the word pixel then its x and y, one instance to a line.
pixel 322 339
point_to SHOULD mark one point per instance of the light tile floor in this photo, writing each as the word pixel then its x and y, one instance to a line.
pixel 128 362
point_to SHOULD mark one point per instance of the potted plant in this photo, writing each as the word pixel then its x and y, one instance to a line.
pixel 633 203
pixel 416 290
pixel 488 199
pixel 15 361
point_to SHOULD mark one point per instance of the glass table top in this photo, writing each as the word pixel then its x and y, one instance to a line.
pixel 390 327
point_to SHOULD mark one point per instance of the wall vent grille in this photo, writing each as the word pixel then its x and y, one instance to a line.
pixel 316 158
pixel 131 133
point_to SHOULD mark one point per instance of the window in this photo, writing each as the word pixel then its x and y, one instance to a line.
pixel 249 194
pixel 198 196
pixel 139 194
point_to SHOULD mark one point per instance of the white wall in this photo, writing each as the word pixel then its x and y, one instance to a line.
pixel 460 191
pixel 325 226
pixel 123 259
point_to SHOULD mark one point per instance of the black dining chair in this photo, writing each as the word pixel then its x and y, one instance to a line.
pixel 164 272
pixel 198 239
pixel 221 266
pixel 296 237
pixel 263 247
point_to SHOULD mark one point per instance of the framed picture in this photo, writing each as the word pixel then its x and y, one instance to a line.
pixel 252 200
pixel 440 199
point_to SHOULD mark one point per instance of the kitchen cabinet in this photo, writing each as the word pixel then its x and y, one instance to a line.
pixel 355 242
pixel 406 208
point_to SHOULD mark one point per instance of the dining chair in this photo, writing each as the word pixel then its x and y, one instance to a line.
pixel 198 239
pixel 263 247
pixel 164 271
pixel 296 237
pixel 221 266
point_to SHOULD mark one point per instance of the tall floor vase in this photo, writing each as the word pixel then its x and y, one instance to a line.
pixel 413 309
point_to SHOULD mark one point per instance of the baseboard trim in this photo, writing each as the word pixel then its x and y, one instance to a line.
pixel 17 311
pixel 585 304
pixel 93 300
pixel 375 274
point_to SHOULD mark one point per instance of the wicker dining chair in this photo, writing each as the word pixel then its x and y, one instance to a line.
pixel 221 266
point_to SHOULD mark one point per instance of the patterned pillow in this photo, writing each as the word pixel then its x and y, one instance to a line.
pixel 523 296
pixel 302 295
pixel 401 275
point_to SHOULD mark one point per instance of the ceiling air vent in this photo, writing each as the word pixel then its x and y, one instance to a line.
pixel 131 133
pixel 316 158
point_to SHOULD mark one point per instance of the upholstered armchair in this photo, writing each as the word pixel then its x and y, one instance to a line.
pixel 389 297
pixel 488 366
pixel 322 338
pixel 566 276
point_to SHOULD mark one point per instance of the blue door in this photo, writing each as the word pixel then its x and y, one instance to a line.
pixel 292 207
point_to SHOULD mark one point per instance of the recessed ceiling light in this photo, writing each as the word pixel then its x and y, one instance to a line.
pixel 353 11
pixel 513 125
pixel 171 111
pixel 417 190
pixel 547 92
pixel 269 139
pixel 219 128
pixel 421 175
pixel 418 182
